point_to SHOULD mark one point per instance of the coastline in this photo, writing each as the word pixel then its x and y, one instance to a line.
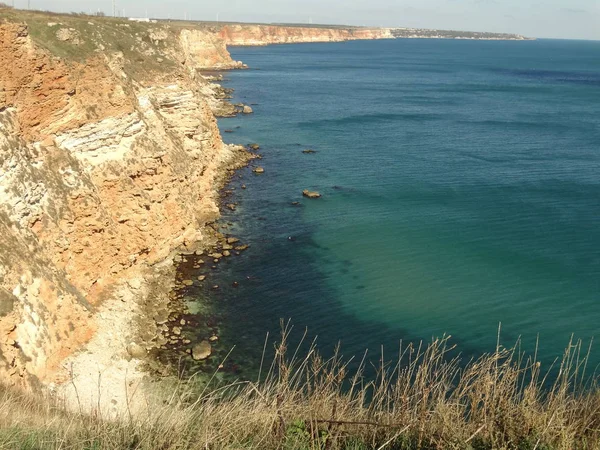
pixel 156 370
pixel 126 180
pixel 119 165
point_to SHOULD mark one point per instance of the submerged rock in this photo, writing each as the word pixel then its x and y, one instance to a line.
pixel 310 194
pixel 309 151
pixel 201 351
pixel 253 146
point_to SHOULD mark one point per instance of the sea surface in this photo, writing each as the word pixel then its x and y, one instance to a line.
pixel 461 191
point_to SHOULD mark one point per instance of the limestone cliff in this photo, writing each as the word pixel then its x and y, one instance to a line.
pixel 266 34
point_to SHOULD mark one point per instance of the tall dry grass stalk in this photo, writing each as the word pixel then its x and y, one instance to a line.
pixel 426 400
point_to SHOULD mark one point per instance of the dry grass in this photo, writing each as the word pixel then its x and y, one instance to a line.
pixel 427 400
pixel 143 57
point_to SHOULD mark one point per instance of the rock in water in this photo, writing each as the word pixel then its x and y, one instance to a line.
pixel 309 151
pixel 310 194
pixel 247 110
pixel 201 351
pixel 259 170
pixel 253 146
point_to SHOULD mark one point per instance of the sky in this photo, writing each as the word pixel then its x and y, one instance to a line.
pixel 570 19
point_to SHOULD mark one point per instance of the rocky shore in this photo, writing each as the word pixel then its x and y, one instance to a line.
pixel 147 333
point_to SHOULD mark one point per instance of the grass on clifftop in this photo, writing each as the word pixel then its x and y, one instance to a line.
pixel 146 47
pixel 425 401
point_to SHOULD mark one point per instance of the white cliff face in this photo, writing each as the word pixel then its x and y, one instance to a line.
pixel 109 139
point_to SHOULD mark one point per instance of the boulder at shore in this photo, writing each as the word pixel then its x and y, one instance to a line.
pixel 247 110
pixel 310 194
pixel 201 351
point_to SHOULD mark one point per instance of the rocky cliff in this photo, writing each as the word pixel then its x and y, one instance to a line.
pixel 105 170
pixel 265 34
pixel 110 161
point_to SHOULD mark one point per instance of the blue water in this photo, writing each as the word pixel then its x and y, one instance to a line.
pixel 461 190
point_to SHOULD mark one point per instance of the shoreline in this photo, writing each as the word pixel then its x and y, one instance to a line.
pixel 117 371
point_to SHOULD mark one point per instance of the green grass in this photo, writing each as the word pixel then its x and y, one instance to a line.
pixel 427 400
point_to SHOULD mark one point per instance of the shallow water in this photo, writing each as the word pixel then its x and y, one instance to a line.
pixel 461 190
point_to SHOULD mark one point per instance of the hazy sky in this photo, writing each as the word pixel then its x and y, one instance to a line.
pixel 577 19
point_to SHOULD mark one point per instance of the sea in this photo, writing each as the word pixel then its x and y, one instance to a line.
pixel 460 185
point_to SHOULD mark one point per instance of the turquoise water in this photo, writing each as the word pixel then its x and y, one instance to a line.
pixel 461 189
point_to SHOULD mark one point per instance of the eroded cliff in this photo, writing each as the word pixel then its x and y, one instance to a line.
pixel 110 160
pixel 105 170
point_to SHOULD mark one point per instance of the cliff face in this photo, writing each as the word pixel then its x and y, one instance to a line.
pixel 265 34
pixel 110 158
pixel 101 176
pixel 205 50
